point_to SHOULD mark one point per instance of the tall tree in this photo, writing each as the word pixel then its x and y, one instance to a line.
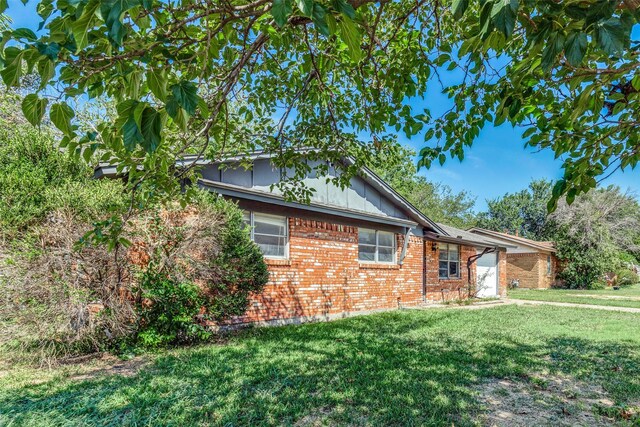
pixel 596 233
pixel 523 213
pixel 438 201
pixel 189 76
pixel 565 70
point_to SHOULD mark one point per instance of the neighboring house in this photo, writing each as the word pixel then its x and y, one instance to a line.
pixel 355 250
pixel 533 264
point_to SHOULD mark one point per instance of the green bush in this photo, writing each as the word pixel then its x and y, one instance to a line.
pixel 50 200
pixel 240 263
pixel 626 277
pixel 168 311
pixel 206 243
pixel 36 178
pixel 587 265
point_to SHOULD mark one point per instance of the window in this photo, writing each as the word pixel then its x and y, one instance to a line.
pixel 269 232
pixel 548 265
pixel 376 246
pixel 449 261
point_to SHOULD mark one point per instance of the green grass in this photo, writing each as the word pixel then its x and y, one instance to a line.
pixel 624 297
pixel 399 368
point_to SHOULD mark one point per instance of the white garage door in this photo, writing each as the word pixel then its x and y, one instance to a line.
pixel 487 282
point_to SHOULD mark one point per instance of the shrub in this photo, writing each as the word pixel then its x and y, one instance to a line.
pixel 36 179
pixel 59 299
pixel 186 267
pixel 50 293
pixel 168 311
pixel 198 264
pixel 240 265
pixel 626 277
pixel 584 266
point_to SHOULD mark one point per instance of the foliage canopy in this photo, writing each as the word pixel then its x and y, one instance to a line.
pixel 224 77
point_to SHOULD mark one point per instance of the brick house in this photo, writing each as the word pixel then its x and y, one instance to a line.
pixel 349 251
pixel 533 264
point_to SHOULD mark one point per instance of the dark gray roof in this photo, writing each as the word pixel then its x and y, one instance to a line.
pixel 463 237
pixel 515 240
pixel 108 170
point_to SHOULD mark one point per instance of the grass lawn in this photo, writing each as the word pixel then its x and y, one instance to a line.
pixel 624 297
pixel 556 365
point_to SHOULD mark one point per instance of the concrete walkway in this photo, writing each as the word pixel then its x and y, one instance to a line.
pixel 510 301
pixel 570 304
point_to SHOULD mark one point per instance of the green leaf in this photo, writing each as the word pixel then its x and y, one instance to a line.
pixel 151 129
pixel 575 48
pixel 12 70
pixel 459 7
pixel 112 12
pixel 172 107
pixel 50 50
pixel 80 28
pixel 503 14
pixel 280 11
pixel 46 70
pixel 61 115
pixel 306 7
pixel 138 111
pixel 319 19
pixel 131 134
pixel 126 108
pixel 186 95
pixel 352 38
pixel 157 83
pixel 34 108
pixel 611 36
pixel 345 8
pixel 551 50
pixel 3 5
pixel 25 33
pixel 44 10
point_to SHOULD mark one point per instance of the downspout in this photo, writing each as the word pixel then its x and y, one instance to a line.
pixel 404 247
pixel 424 266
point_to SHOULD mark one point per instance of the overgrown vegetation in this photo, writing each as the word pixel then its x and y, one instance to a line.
pixel 62 294
pixel 36 179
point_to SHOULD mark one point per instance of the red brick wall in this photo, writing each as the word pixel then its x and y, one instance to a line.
pixel 439 290
pixel 531 270
pixel 323 278
pixel 503 273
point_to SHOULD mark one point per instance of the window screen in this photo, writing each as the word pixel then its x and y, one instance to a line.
pixel 269 232
pixel 449 261
pixel 376 246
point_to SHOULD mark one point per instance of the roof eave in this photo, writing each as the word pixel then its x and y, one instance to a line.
pixel 261 196
pixel 449 239
pixel 517 241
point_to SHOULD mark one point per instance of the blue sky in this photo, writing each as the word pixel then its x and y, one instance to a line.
pixel 496 164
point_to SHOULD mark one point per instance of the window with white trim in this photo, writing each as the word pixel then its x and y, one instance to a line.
pixel 548 265
pixel 449 261
pixel 376 246
pixel 270 232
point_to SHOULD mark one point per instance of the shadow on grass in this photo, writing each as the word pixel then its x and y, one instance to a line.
pixel 390 369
